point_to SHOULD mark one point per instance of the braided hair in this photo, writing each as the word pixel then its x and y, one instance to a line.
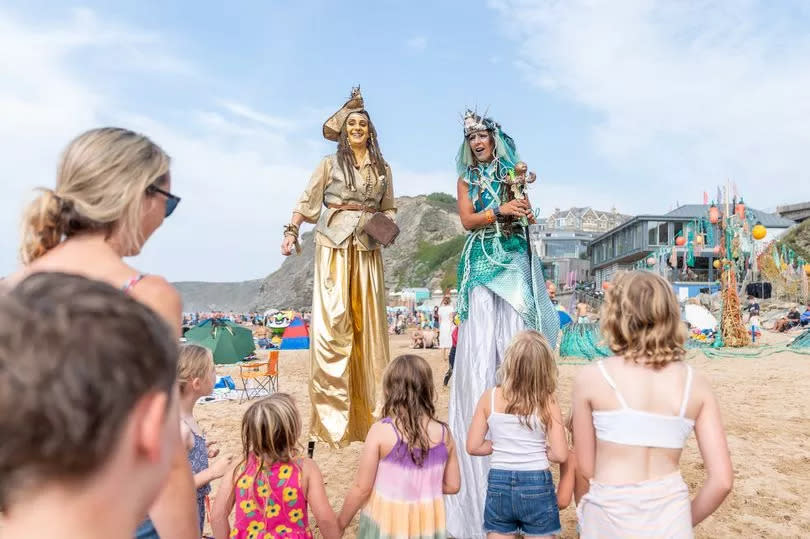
pixel 345 155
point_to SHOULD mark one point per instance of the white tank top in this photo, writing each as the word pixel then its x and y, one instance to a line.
pixel 515 446
pixel 636 427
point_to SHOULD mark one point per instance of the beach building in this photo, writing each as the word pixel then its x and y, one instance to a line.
pixel 635 239
pixel 561 241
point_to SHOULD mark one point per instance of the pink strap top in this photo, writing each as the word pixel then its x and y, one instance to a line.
pixel 131 282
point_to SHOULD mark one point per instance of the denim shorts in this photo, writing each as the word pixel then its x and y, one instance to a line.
pixel 521 502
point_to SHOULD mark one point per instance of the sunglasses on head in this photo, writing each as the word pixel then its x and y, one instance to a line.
pixel 171 200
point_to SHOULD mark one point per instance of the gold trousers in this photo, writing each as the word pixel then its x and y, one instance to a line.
pixel 348 343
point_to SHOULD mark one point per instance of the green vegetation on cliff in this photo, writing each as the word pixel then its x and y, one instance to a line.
pixel 798 239
pixel 430 258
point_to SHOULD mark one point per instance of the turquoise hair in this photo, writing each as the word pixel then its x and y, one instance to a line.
pixel 506 157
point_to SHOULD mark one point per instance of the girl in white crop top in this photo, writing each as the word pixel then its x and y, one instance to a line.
pixel 633 414
pixel 525 430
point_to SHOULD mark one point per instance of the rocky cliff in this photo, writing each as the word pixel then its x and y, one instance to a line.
pixel 424 255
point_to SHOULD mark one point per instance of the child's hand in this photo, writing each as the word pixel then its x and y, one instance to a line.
pixel 212 452
pixel 218 468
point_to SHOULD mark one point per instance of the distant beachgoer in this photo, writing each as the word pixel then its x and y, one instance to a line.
pixel 582 312
pixel 417 339
pixel 429 338
pixel 452 356
pixel 446 313
pixel 789 321
pixel 804 319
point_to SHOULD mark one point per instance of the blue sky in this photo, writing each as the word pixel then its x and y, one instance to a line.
pixel 634 104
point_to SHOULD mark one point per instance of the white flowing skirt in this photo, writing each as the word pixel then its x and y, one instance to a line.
pixel 482 342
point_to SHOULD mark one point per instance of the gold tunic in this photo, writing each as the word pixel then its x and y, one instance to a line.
pixel 349 329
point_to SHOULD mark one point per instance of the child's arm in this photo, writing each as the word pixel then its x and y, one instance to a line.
pixel 319 502
pixel 565 488
pixel 366 474
pixel 214 471
pixel 584 433
pixel 711 438
pixel 477 444
pixel 223 505
pixel 451 482
pixel 558 445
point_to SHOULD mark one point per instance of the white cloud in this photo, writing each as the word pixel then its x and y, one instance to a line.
pixel 238 170
pixel 248 113
pixel 417 43
pixel 687 93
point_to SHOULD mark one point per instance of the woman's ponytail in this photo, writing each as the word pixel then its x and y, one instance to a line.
pixel 42 226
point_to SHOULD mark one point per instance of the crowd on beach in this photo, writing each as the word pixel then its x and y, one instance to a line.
pixel 102 441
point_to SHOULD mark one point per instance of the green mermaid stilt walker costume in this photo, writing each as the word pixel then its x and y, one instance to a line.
pixel 501 292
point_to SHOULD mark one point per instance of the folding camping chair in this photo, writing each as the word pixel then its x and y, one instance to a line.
pixel 263 374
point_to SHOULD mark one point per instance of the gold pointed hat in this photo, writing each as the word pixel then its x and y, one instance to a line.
pixel 332 126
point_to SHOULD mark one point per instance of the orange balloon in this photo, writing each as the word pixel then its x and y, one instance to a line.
pixel 680 241
pixel 716 264
pixel 606 285
pixel 807 269
pixel 759 231
pixel 699 240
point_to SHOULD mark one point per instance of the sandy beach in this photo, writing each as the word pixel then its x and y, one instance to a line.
pixel 765 406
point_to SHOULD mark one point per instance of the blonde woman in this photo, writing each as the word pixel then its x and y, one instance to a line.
pixel 633 414
pixel 524 423
pixel 113 190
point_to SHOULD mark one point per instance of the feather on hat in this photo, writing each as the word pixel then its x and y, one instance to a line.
pixel 332 126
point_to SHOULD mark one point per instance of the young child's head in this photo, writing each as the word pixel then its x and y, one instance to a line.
pixel 641 319
pixel 271 428
pixel 195 370
pixel 408 397
pixel 528 377
pixel 87 378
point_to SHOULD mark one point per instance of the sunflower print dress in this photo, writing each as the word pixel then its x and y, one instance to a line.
pixel 269 502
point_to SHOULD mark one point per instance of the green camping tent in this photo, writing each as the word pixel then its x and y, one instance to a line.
pixel 229 342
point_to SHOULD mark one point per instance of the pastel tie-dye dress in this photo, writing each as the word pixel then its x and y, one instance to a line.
pixel 407 500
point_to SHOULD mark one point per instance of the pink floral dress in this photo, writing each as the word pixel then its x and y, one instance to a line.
pixel 270 503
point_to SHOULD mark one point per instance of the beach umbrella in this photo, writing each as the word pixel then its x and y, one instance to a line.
pixel 228 342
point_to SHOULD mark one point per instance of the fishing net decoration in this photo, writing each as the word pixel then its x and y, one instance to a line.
pixel 733 330
pixel 583 341
pixel 802 341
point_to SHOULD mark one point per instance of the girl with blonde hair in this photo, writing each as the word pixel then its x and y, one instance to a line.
pixel 272 486
pixel 113 190
pixel 633 414
pixel 196 377
pixel 524 423
pixel 408 461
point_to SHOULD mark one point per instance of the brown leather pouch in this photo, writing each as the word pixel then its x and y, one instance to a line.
pixel 382 229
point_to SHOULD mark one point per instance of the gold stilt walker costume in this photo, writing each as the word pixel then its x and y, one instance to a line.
pixel 349 330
